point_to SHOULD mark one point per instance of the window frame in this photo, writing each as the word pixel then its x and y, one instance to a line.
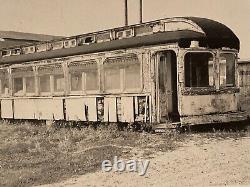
pixel 51 75
pixel 83 91
pixel 235 69
pixel 214 73
pixel 122 74
pixel 22 76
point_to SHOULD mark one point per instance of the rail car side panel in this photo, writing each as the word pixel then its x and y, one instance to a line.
pixel 75 109
pixel 7 108
pixel 208 104
pixel 110 109
pixel 49 109
pixel 24 109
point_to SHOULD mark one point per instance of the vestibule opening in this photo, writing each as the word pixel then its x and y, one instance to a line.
pixel 167 82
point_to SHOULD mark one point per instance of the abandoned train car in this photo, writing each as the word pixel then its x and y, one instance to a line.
pixel 173 70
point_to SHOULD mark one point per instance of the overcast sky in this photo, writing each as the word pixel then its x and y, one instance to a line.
pixel 72 17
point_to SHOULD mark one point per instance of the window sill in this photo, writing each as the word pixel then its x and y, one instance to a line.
pixel 209 91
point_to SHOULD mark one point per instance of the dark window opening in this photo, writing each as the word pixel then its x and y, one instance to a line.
pixel 89 40
pixel 18 85
pixel 227 69
pixel 199 69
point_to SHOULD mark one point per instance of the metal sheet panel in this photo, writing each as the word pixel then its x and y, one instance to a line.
pixel 6 108
pixel 75 109
pixel 110 114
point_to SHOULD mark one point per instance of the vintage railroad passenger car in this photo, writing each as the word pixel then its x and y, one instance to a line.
pixel 174 70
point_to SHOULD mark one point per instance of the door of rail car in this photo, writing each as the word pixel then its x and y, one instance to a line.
pixel 167 87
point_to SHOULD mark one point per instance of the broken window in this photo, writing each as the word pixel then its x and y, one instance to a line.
pixel 18 86
pixel 44 82
pixel 30 84
pixel 199 69
pixel 227 69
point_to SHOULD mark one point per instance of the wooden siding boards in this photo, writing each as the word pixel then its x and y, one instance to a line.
pixel 110 110
pixel 7 108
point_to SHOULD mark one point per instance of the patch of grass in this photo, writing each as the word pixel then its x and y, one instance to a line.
pixel 38 154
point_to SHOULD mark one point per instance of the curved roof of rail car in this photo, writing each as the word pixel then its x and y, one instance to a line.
pixel 210 33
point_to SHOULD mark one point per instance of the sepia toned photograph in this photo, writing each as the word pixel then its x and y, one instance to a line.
pixel 124 93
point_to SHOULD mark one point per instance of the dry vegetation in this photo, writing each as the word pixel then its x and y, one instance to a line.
pixel 38 154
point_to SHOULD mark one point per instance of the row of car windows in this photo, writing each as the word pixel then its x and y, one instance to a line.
pixel 114 77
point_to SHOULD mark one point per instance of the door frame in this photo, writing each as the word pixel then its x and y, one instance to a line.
pixel 174 77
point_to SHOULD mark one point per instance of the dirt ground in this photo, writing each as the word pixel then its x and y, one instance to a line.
pixel 33 155
pixel 202 160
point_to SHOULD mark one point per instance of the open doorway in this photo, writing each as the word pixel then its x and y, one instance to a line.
pixel 167 84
